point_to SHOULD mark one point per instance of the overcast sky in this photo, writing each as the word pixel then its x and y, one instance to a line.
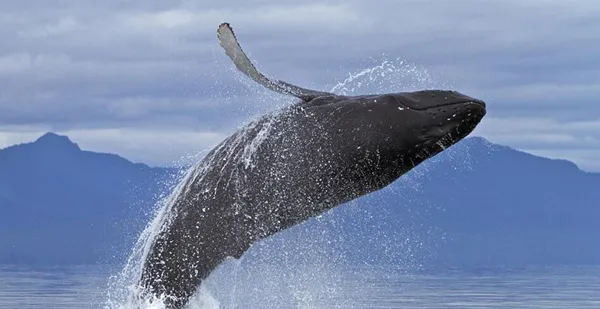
pixel 148 80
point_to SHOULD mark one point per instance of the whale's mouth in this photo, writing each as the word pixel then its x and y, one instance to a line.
pixel 457 134
pixel 456 119
pixel 454 126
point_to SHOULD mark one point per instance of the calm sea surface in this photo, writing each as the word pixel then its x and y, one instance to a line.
pixel 555 287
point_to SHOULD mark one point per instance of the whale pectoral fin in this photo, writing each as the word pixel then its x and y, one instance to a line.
pixel 233 49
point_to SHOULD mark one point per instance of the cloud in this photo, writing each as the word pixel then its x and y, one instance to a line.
pixel 155 66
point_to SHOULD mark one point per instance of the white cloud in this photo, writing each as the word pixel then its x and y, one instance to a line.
pixel 152 66
pixel 62 26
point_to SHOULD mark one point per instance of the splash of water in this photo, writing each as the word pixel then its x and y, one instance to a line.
pixel 309 282
pixel 123 289
pixel 386 77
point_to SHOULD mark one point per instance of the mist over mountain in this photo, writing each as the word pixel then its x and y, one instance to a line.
pixel 475 204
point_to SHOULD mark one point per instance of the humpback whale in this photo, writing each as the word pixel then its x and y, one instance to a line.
pixel 293 164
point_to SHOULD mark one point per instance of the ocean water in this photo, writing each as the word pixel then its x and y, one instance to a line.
pixel 84 287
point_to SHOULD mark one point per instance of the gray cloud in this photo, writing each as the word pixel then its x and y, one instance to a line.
pixel 100 67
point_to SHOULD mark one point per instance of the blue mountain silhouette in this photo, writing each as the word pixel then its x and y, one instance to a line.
pixel 60 204
pixel 475 204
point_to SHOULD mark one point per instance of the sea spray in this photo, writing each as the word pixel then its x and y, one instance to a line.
pixel 387 76
pixel 124 291
pixel 123 288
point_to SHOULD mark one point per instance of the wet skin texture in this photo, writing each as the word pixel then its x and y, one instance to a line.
pixel 292 165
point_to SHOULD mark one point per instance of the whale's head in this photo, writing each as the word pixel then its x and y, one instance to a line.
pixel 425 123
pixel 396 132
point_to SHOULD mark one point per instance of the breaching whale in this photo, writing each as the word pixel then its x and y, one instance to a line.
pixel 291 165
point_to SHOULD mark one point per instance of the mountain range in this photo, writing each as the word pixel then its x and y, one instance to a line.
pixel 61 204
pixel 476 204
